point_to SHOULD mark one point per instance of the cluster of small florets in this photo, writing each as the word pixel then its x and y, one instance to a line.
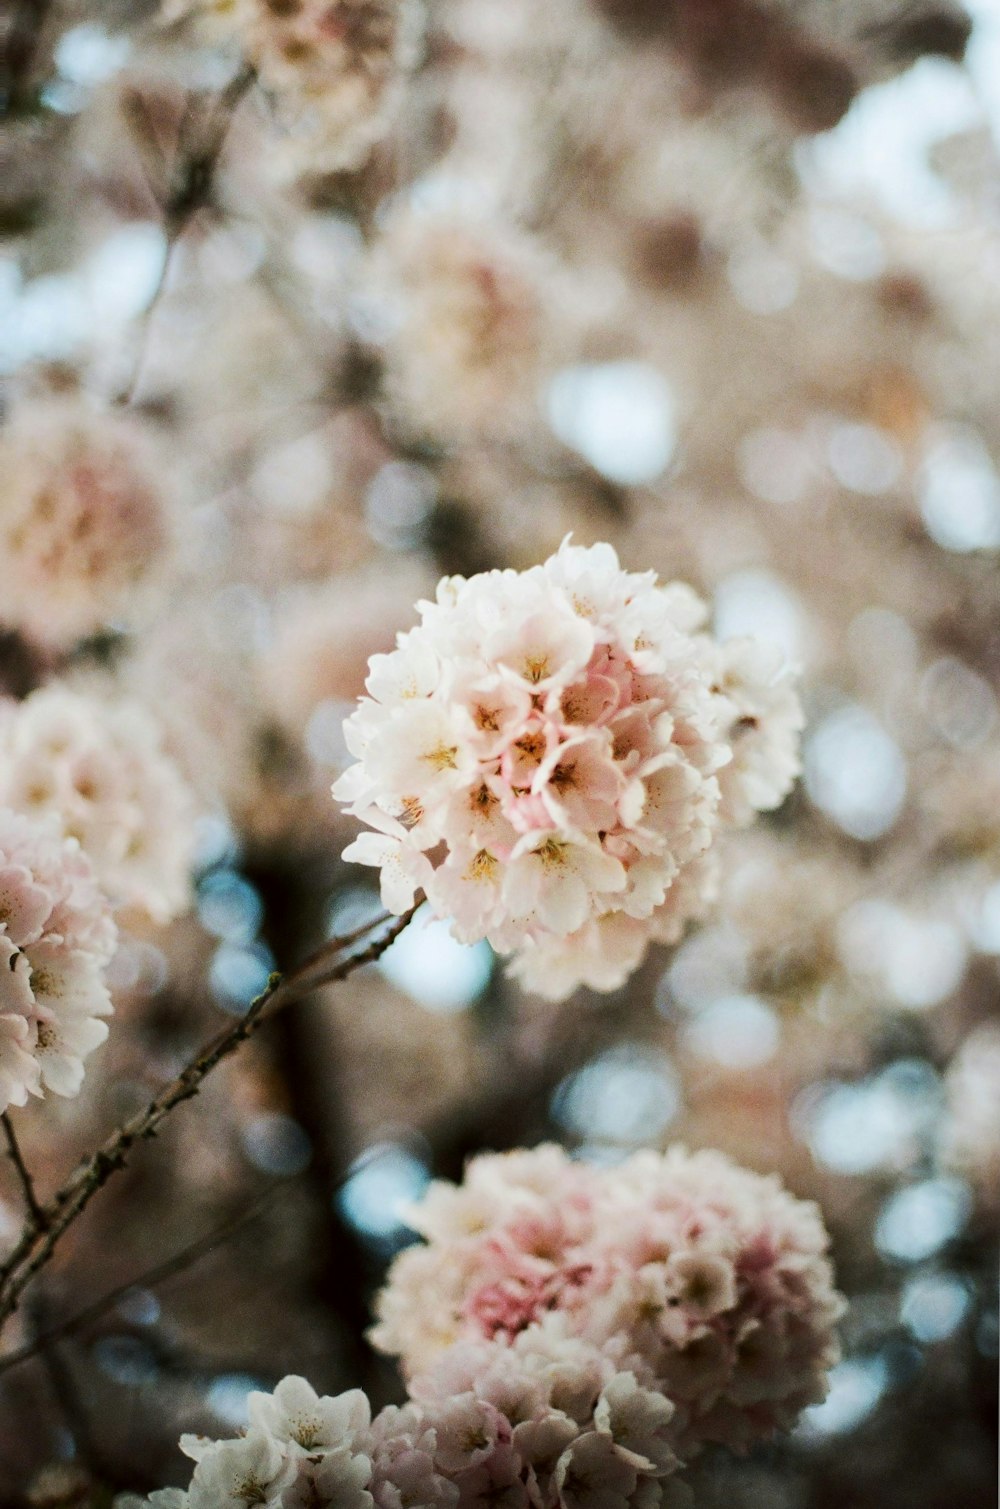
pixel 708 1282
pixel 83 522
pixel 550 1427
pixel 333 67
pixel 466 309
pixel 571 1334
pixel 550 756
pixel 56 939
pixel 98 769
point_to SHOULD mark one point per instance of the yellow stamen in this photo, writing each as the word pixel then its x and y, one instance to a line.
pixel 441 758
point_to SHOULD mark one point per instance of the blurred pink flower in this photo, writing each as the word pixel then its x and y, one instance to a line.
pixel 84 524
pixel 98 768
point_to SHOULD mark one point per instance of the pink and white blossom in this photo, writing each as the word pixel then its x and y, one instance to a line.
pixel 551 756
pixel 56 939
pixel 636 1313
pixel 98 769
pixel 708 1281
pixel 235 1474
pixel 486 1426
pixel 763 720
pixel 295 1415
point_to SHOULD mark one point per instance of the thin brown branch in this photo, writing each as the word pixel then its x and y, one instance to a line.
pixel 305 982
pixel 321 956
pixel 185 1258
pixel 27 1183
pixel 151 1278
pixel 44 1233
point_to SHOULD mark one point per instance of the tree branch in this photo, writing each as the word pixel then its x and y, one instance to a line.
pixel 35 1212
pixel 190 190
pixel 44 1232
pixel 178 1262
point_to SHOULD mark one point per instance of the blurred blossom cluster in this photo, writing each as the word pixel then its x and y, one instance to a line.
pixel 85 524
pixel 307 306
pixel 97 769
pixel 331 68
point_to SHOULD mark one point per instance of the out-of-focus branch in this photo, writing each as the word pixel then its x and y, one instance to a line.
pixel 63 1384
pixel 43 1232
pixel 186 1257
pixel 189 190
pixel 19 49
pixel 35 1212
pixel 179 1262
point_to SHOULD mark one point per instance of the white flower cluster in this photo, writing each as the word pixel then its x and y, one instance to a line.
pixel 551 1427
pixel 83 522
pixel 99 770
pixel 709 1282
pixel 333 67
pixel 56 938
pixel 550 755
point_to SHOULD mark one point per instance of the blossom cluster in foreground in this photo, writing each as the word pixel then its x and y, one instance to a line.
pixel 551 755
pixel 556 1427
pixel 98 769
pixel 56 938
pixel 570 1334
pixel 83 521
pixel 707 1281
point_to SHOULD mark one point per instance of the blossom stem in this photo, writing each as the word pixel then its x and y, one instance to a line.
pixel 44 1231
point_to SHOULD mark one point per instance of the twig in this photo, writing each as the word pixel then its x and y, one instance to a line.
pixel 303 983
pixel 44 1233
pixel 321 956
pixel 27 1183
pixel 179 1262
pixel 185 1258
pixel 63 1385
pixel 189 192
